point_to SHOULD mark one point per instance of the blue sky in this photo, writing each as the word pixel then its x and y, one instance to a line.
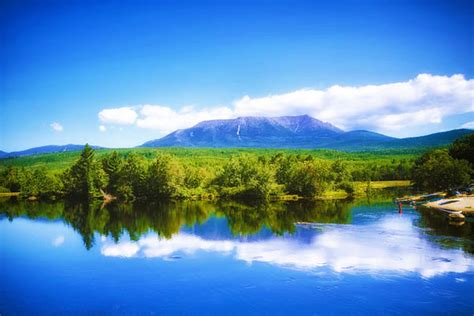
pixel 175 62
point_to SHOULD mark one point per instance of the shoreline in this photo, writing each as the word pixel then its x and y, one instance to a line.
pixel 329 195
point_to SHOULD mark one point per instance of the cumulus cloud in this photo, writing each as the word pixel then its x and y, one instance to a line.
pixel 126 250
pixel 167 120
pixel 387 107
pixel 56 126
pixel 121 116
pixel 348 249
pixel 468 125
pixel 102 128
pixel 426 99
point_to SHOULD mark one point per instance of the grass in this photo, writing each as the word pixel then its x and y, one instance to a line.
pixel 361 187
pixel 382 184
pixel 8 194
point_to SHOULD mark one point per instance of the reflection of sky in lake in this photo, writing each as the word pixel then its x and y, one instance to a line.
pixel 391 244
pixel 373 262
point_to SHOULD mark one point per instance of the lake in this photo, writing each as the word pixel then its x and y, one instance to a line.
pixel 327 257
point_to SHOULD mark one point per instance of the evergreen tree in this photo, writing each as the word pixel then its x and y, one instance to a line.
pixel 112 165
pixel 132 182
pixel 85 178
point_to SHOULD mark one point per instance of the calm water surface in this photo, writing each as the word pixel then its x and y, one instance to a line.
pixel 334 257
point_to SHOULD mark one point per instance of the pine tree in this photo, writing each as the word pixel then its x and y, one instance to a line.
pixel 85 178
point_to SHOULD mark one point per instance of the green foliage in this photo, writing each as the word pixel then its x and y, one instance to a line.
pixel 86 178
pixel 193 177
pixel 463 148
pixel 4 190
pixel 38 183
pixel 112 165
pixel 245 177
pixel 437 170
pixel 215 157
pixel 154 174
pixel 381 169
pixel 368 188
pixel 143 173
pixel 347 186
pixel 10 179
pixel 132 182
pixel 283 164
pixel 308 178
pixel 164 177
pixel 166 218
pixel 340 172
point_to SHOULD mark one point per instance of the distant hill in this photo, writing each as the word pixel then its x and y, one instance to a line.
pixel 292 132
pixel 436 139
pixel 44 150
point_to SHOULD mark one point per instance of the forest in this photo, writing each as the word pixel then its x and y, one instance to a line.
pixel 160 174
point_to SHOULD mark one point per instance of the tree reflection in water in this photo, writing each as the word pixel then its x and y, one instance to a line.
pixel 167 218
pixel 441 229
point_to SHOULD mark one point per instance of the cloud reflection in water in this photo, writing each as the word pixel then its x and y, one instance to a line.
pixel 390 245
pixel 58 241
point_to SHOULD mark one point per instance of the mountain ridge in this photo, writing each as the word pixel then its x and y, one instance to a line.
pixel 44 150
pixel 292 132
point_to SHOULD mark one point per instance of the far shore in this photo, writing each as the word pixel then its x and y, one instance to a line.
pixel 360 191
pixel 7 194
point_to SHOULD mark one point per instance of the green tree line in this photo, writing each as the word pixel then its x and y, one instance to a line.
pixel 132 176
pixel 446 169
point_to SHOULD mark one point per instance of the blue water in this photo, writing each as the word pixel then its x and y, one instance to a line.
pixel 203 258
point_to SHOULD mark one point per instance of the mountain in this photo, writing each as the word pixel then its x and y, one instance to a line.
pixel 292 132
pixel 251 132
pixel 273 132
pixel 44 150
pixel 436 139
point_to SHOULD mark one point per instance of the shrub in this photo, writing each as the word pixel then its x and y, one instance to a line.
pixel 437 170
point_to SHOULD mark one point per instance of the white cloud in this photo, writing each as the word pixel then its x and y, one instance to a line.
pixel 123 115
pixel 468 125
pixel 348 249
pixel 426 99
pixel 58 241
pixel 102 128
pixel 56 127
pixel 121 250
pixel 396 122
pixel 166 120
pixel 152 247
